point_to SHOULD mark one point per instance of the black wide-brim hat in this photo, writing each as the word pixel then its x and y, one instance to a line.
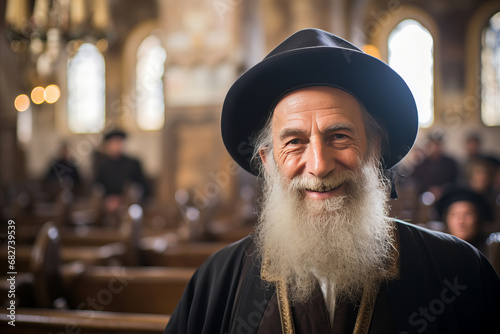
pixel 456 194
pixel 313 57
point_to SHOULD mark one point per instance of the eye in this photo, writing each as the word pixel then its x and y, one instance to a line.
pixel 339 136
pixel 295 141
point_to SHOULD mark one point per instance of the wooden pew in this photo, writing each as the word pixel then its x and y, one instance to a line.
pixel 43 321
pixel 128 234
pixel 40 212
pixel 46 265
pixel 103 255
pixel 153 290
pixel 156 251
pixel 114 289
pixel 97 246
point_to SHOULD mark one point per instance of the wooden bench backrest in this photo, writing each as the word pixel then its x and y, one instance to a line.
pixel 183 254
pixel 43 321
pixel 128 289
pixel 45 266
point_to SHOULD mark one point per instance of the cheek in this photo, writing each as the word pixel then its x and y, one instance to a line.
pixel 452 223
pixel 349 158
pixel 288 164
pixel 470 222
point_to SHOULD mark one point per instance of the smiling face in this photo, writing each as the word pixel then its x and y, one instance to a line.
pixel 318 131
pixel 324 209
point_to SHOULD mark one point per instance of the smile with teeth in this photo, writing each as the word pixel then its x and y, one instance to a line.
pixel 323 190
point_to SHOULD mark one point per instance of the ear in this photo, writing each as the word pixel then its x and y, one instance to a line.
pixel 263 152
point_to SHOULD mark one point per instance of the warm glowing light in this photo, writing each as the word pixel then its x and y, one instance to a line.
pixel 372 50
pixel 102 44
pixel 37 95
pixel 52 93
pixel 22 102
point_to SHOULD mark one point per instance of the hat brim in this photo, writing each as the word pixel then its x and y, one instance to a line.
pixel 379 88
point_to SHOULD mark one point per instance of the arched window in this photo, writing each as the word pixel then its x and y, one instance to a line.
pixel 411 54
pixel 150 68
pixel 86 90
pixel 490 72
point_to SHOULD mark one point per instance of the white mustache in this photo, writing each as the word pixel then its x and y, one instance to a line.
pixel 314 183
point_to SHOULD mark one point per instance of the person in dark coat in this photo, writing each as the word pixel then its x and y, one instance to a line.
pixel 63 173
pixel 319 120
pixel 116 172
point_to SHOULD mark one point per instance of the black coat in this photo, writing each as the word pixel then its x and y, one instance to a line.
pixel 114 174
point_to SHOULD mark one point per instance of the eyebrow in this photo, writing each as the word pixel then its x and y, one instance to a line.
pixel 292 132
pixel 339 126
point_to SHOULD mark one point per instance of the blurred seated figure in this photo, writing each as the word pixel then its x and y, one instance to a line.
pixel 482 175
pixel 118 173
pixel 62 174
pixel 474 151
pixel 465 214
pixel 473 146
pixel 437 169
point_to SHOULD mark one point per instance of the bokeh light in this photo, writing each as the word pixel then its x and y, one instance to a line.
pixel 37 95
pixel 22 102
pixel 52 93
pixel 372 50
pixel 428 198
pixel 102 44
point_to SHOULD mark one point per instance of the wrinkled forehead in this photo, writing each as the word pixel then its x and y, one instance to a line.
pixel 323 103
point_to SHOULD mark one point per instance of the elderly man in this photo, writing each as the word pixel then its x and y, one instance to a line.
pixel 319 120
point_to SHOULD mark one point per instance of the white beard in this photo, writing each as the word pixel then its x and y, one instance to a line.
pixel 345 240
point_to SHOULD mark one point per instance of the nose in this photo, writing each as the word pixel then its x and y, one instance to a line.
pixel 320 161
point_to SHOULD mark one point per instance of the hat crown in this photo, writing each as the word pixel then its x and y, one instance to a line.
pixel 311 38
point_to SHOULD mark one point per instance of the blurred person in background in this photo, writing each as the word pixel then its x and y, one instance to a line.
pixel 483 177
pixel 117 173
pixel 62 174
pixel 465 214
pixel 437 169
